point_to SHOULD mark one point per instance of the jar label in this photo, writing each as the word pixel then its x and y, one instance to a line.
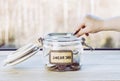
pixel 61 57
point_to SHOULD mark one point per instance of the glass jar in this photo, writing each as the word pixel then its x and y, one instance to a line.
pixel 62 52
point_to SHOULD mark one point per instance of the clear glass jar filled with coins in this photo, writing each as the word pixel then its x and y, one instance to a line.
pixel 62 52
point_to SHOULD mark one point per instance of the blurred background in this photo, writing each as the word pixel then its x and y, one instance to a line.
pixel 22 20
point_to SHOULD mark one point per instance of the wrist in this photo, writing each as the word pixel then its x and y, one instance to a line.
pixel 102 25
pixel 105 26
pixel 110 25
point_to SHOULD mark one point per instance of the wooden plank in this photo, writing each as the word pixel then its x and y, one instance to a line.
pixel 96 65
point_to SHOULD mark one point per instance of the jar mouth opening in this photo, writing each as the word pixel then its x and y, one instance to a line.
pixel 61 37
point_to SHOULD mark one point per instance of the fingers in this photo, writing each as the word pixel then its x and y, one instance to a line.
pixel 80 27
pixel 82 32
pixel 83 28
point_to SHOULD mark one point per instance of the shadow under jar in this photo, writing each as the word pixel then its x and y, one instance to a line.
pixel 62 52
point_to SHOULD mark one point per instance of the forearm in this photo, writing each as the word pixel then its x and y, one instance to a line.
pixel 112 24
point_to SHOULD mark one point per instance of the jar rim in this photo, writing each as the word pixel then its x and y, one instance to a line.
pixel 61 37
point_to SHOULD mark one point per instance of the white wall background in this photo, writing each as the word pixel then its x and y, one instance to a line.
pixel 20 20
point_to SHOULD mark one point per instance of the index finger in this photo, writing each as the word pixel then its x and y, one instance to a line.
pixel 80 27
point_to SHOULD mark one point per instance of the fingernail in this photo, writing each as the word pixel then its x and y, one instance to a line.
pixel 76 32
pixel 83 27
pixel 87 34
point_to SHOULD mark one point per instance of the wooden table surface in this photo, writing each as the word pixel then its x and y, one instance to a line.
pixel 95 65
